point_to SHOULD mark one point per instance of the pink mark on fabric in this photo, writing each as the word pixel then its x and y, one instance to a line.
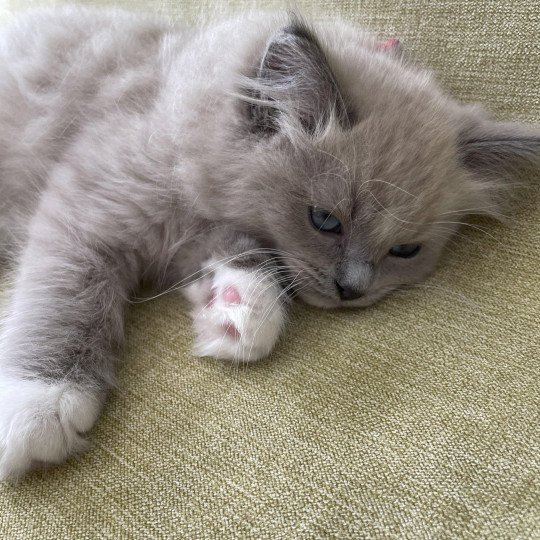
pixel 231 295
pixel 231 330
pixel 388 44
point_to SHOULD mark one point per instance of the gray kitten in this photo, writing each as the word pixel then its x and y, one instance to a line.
pixel 246 163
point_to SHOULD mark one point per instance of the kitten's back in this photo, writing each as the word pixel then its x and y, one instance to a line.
pixel 60 70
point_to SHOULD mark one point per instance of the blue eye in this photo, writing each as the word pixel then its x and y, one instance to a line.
pixel 405 251
pixel 324 221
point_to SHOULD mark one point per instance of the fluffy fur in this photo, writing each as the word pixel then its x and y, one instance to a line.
pixel 134 150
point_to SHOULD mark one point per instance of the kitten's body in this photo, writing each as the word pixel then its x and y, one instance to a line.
pixel 127 155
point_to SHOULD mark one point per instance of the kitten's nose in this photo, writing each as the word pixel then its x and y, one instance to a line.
pixel 347 292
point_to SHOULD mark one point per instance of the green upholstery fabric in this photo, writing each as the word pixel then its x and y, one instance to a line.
pixel 416 418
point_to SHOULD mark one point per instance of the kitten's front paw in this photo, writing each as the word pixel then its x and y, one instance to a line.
pixel 238 314
pixel 41 423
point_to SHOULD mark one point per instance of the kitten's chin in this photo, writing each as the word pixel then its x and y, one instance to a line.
pixel 326 302
pixel 319 301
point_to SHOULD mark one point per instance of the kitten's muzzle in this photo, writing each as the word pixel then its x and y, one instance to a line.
pixel 348 293
pixel 353 279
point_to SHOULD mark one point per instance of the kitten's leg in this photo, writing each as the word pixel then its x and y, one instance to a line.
pixel 239 301
pixel 57 347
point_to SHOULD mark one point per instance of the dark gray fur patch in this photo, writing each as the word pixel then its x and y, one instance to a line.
pixel 249 254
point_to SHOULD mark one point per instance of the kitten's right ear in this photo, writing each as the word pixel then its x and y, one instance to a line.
pixel 294 79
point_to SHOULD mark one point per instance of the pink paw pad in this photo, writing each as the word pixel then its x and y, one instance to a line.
pixel 230 330
pixel 230 295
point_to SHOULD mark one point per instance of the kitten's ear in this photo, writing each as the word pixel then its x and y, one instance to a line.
pixel 497 155
pixel 500 149
pixel 294 79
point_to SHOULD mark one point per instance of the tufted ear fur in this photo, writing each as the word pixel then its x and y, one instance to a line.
pixel 496 155
pixel 497 149
pixel 294 80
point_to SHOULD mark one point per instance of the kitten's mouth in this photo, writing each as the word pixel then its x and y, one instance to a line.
pixel 322 300
pixel 311 289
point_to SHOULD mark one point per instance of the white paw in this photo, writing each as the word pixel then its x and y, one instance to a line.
pixel 41 423
pixel 238 314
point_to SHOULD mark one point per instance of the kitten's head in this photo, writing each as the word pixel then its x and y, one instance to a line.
pixel 360 169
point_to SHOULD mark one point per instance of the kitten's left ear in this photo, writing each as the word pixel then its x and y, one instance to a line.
pixel 497 154
pixel 499 149
pixel 294 81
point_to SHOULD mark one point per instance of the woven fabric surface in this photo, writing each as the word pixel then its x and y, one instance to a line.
pixel 416 418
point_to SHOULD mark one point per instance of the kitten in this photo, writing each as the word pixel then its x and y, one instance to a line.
pixel 246 163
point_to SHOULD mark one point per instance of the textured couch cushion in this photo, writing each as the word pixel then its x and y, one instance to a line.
pixel 416 418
